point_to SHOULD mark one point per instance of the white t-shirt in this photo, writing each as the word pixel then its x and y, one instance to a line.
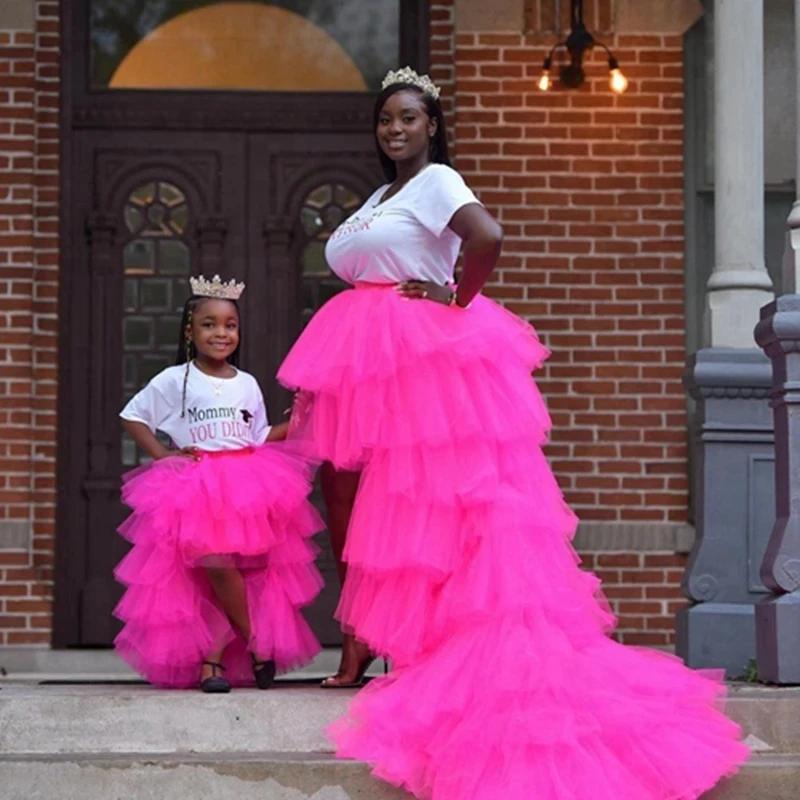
pixel 406 237
pixel 221 413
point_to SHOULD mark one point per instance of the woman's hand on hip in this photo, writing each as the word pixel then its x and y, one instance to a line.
pixel 424 290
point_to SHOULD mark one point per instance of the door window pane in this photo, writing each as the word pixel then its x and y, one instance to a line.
pixel 284 45
pixel 157 262
pixel 324 209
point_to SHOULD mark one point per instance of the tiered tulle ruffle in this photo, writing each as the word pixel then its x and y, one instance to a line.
pixel 461 572
pixel 244 509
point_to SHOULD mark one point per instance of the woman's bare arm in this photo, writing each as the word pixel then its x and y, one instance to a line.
pixel 483 241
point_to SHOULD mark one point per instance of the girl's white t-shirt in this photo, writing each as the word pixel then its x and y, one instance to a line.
pixel 221 413
pixel 407 236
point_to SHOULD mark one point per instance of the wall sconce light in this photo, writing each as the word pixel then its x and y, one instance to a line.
pixel 576 44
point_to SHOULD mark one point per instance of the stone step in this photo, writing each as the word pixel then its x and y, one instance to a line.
pixel 141 719
pixel 288 718
pixel 109 742
pixel 249 776
pixel 276 776
pixel 40 664
pixel 762 778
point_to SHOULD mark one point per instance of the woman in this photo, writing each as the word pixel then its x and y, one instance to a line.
pixel 459 568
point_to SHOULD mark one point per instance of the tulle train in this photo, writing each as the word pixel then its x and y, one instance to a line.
pixel 460 570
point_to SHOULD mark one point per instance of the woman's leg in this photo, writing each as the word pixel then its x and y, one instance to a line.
pixel 339 492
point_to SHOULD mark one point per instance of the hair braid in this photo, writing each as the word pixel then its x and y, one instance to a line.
pixel 188 348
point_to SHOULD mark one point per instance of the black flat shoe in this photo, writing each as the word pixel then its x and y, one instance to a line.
pixel 215 684
pixel 264 672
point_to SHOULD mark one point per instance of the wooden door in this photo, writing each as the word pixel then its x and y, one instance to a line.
pixel 162 176
pixel 152 211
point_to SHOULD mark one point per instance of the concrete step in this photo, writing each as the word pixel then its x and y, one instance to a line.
pixel 288 718
pixel 41 664
pixel 762 778
pixel 266 776
pixel 134 741
pixel 141 719
pixel 276 776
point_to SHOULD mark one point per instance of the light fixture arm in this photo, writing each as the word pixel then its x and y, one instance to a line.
pixel 576 44
pixel 548 61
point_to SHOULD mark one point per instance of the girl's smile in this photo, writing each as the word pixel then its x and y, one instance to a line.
pixel 215 329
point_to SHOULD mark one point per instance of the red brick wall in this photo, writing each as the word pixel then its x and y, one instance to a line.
pixel 28 287
pixel 644 590
pixel 589 189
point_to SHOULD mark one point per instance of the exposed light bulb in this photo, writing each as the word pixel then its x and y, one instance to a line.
pixel 617 81
pixel 545 82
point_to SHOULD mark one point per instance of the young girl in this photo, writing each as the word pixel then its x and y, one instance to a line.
pixel 222 561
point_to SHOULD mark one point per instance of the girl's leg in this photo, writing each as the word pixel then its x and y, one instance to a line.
pixel 339 492
pixel 215 658
pixel 229 588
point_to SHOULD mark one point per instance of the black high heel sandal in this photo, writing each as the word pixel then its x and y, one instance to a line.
pixel 215 684
pixel 264 673
pixel 361 675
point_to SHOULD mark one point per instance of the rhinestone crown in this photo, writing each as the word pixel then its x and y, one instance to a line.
pixel 216 288
pixel 408 75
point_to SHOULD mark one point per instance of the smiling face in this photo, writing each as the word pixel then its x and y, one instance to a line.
pixel 404 127
pixel 215 329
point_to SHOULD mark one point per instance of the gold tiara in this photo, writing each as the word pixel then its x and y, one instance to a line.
pixel 216 288
pixel 408 75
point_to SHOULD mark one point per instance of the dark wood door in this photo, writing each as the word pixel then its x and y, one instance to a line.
pixel 257 207
pixel 148 214
pixel 163 183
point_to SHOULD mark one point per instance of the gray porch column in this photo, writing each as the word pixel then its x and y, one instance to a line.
pixel 729 379
pixel 778 616
pixel 778 333
pixel 739 285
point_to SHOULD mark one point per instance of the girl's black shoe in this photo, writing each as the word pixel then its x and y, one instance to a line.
pixel 215 684
pixel 264 672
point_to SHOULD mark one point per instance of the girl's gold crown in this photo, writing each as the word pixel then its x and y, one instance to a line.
pixel 216 288
pixel 408 75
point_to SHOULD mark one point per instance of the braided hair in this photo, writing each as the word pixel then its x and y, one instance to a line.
pixel 187 351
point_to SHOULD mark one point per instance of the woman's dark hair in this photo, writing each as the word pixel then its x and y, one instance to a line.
pixel 186 349
pixel 437 148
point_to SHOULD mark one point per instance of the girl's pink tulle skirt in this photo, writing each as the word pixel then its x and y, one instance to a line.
pixel 246 509
pixel 460 570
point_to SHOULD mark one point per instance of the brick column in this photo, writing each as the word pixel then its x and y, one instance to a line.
pixel 28 289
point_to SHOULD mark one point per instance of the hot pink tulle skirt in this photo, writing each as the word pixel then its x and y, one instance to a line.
pixel 246 509
pixel 461 572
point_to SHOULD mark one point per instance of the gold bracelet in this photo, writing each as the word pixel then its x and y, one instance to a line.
pixel 453 301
